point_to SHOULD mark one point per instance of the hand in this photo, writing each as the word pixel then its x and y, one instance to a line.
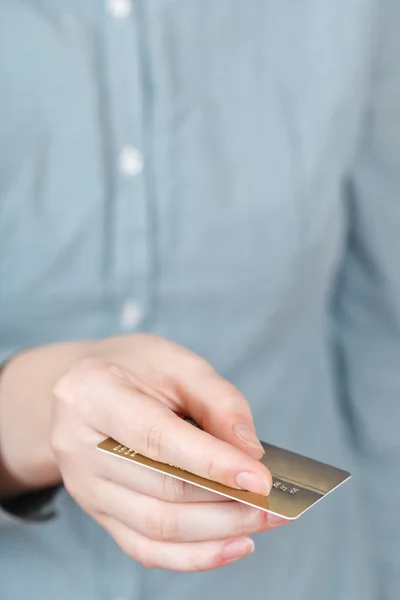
pixel 128 388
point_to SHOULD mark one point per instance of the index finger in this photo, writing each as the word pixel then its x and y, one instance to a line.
pixel 150 428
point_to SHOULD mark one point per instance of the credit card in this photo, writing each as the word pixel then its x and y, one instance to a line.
pixel 298 482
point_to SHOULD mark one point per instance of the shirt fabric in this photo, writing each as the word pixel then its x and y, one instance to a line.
pixel 225 174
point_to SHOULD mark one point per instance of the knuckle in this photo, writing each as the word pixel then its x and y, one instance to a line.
pixel 152 525
pixel 249 520
pixel 72 391
pixel 138 551
pixel 153 442
pixel 130 547
pixel 243 521
pixel 147 560
pixel 174 490
pixel 170 526
pixel 133 545
pixel 198 562
pixel 64 391
pixel 163 527
pixel 211 470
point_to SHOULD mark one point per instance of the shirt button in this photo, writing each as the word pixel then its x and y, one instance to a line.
pixel 130 161
pixel 119 9
pixel 131 315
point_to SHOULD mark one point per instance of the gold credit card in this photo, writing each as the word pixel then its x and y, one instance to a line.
pixel 298 482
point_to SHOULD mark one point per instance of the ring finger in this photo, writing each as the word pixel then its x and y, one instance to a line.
pixel 199 521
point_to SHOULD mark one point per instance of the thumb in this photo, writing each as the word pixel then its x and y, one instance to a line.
pixel 221 410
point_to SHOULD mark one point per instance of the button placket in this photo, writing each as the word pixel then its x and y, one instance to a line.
pixel 130 213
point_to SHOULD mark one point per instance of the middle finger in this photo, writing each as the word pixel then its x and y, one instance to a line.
pixel 150 483
pixel 190 522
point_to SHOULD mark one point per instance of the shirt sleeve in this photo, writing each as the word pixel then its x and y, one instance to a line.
pixel 367 310
pixel 34 507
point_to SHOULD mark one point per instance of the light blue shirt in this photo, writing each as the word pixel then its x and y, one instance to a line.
pixel 225 174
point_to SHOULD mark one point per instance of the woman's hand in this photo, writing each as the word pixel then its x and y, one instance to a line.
pixel 129 388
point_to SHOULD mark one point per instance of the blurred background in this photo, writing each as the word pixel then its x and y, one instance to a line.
pixel 224 176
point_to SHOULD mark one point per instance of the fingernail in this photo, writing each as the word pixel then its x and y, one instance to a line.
pixel 247 435
pixel 253 483
pixel 237 549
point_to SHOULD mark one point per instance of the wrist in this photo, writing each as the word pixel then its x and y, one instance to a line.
pixel 27 462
